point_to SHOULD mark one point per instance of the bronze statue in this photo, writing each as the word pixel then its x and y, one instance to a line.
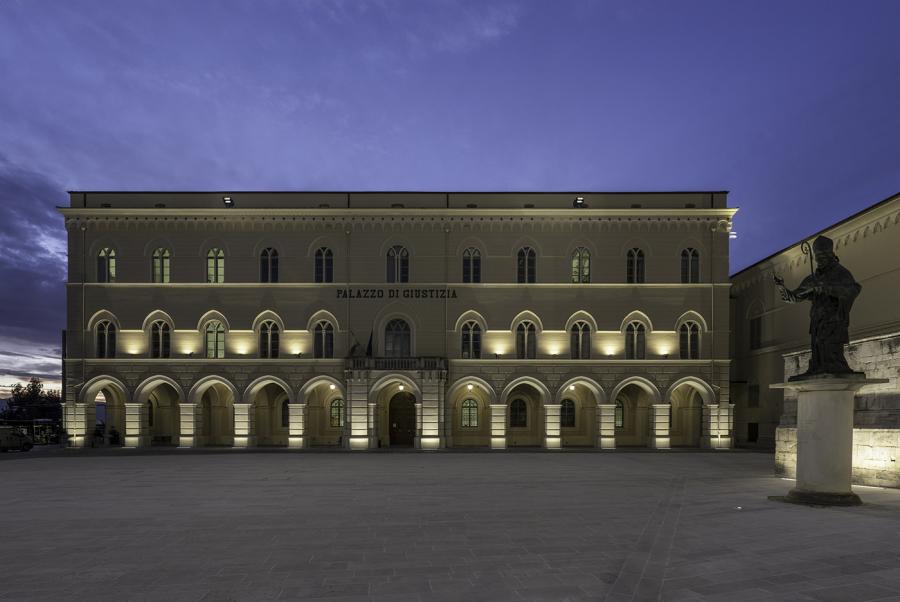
pixel 832 290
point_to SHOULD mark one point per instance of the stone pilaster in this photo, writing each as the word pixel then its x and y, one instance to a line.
pixel 244 435
pixel 79 423
pixel 137 425
pixel 552 438
pixel 606 426
pixel 718 422
pixel 361 426
pixel 417 439
pixel 297 438
pixel 659 426
pixel 191 421
pixel 428 414
pixel 498 426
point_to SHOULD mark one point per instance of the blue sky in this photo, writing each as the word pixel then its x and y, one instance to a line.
pixel 792 105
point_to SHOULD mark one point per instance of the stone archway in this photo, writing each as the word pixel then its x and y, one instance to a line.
pixel 402 420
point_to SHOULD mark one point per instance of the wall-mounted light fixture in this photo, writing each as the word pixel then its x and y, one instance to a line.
pixel 331 386
pixel 579 203
pixel 229 202
pixel 469 387
pixel 402 387
pixel 571 387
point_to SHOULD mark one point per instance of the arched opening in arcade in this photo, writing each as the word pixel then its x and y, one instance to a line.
pixel 326 414
pixel 162 407
pixel 396 398
pixel 686 427
pixel 104 412
pixel 524 416
pixel 216 413
pixel 470 403
pixel 632 416
pixel 270 405
pixel 578 413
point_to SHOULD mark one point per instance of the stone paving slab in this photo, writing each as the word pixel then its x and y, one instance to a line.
pixel 227 526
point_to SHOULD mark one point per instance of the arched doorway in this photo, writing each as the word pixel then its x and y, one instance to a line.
pixel 524 416
pixel 402 420
pixel 687 398
pixel 326 413
pixel 270 415
pixel 163 415
pixel 632 416
pixel 217 416
pixel 469 403
pixel 104 421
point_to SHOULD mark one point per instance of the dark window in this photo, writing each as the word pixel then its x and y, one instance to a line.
pixel 756 332
pixel 689 341
pixel 525 262
pixel 323 341
pixel 752 432
pixel 159 339
pixel 285 413
pixel 471 265
pixel 397 264
pixel 469 417
pixel 324 265
pixel 397 339
pixel 620 414
pixel 526 341
pixel 106 339
pixel 337 413
pixel 567 414
pixel 635 338
pixel 690 266
pixel 268 339
pixel 160 266
pixel 106 265
pixel 753 396
pixel 580 341
pixel 634 266
pixel 518 414
pixel 471 341
pixel 581 265
pixel 268 265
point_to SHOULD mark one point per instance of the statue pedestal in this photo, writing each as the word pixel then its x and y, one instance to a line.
pixel 825 438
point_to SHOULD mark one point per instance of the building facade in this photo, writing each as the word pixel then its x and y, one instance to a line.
pixel 771 343
pixel 427 320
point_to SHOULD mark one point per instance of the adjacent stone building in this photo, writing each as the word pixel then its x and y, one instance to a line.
pixel 428 320
pixel 771 343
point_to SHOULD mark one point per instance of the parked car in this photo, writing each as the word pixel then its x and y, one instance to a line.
pixel 13 438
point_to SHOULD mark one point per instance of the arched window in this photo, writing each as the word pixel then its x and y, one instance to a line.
pixel 215 266
pixel 580 341
pixel 526 341
pixel 397 264
pixel 471 265
pixel 268 265
pixel 215 340
pixel 159 339
pixel 160 265
pixel 106 265
pixel 690 265
pixel 285 413
pixel 689 341
pixel 634 267
pixel 469 418
pixel 324 268
pixel 567 414
pixel 268 339
pixel 149 413
pixel 397 339
pixel 581 265
pixel 525 265
pixel 336 415
pixel 518 413
pixel 323 340
pixel 635 341
pixel 471 341
pixel 620 414
pixel 106 339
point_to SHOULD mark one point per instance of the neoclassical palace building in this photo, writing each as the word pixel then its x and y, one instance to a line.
pixel 399 319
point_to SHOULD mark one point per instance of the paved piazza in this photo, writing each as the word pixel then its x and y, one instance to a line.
pixel 225 525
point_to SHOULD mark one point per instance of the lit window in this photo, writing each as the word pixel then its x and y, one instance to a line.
pixel 634 267
pixel 159 339
pixel 469 417
pixel 526 341
pixel 160 267
pixel 580 341
pixel 567 414
pixel 215 266
pixel 324 268
pixel 106 265
pixel 215 340
pixel 581 265
pixel 106 339
pixel 323 340
pixel 689 341
pixel 268 339
pixel 690 266
pixel 518 414
pixel 337 413
pixel 397 339
pixel 525 266
pixel 398 264
pixel 268 265
pixel 471 265
pixel 635 341
pixel 471 341
pixel 620 414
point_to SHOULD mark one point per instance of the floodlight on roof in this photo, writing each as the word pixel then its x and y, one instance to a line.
pixel 579 203
pixel 229 202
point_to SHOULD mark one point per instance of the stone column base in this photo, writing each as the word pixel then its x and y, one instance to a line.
pixel 816 498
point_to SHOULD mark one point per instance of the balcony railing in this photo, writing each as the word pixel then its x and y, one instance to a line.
pixel 397 363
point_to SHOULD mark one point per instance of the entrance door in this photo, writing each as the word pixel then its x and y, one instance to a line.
pixel 402 420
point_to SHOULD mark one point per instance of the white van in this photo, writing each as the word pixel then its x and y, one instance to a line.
pixel 13 438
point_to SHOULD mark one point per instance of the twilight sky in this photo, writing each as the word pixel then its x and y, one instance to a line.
pixel 792 105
